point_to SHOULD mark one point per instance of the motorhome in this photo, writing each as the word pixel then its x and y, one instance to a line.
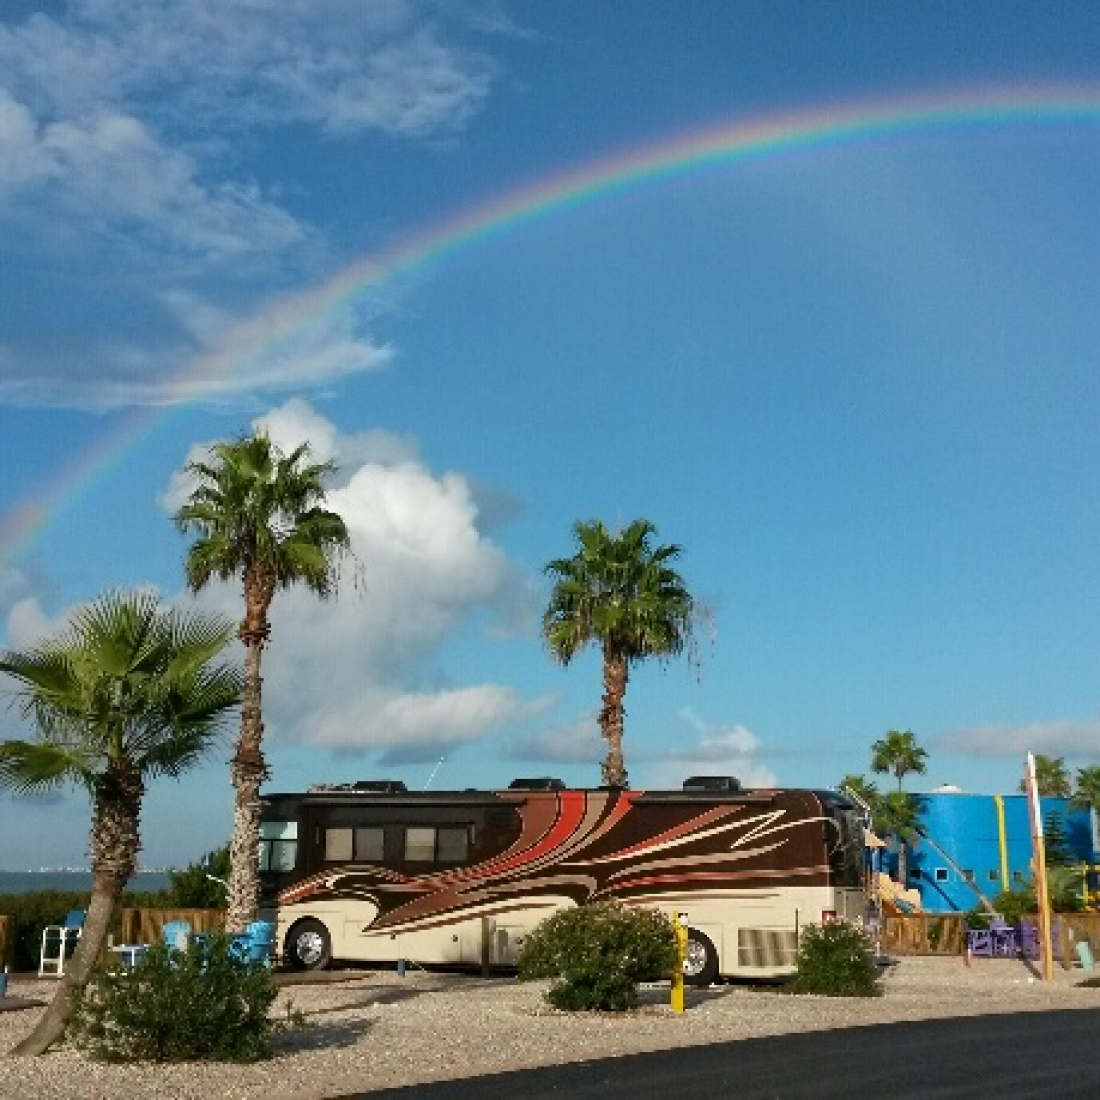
pixel 371 872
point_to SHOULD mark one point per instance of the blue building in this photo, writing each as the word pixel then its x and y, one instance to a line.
pixel 982 842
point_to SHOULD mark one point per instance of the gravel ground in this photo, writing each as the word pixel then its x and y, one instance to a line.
pixel 372 1030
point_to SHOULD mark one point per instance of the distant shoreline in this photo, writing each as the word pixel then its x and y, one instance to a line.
pixel 74 881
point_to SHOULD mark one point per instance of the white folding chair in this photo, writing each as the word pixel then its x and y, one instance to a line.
pixel 58 943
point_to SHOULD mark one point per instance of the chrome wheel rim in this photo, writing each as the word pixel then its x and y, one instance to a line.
pixel 695 959
pixel 310 947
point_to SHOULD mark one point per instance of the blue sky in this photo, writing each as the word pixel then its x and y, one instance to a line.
pixel 855 382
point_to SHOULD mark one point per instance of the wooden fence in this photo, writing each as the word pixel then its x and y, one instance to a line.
pixel 145 925
pixel 932 934
pixel 924 934
pixel 1071 929
pixel 5 940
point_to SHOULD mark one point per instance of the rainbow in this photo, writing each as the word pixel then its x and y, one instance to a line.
pixel 745 140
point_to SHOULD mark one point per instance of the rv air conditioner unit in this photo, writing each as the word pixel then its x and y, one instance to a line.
pixel 540 783
pixel 712 783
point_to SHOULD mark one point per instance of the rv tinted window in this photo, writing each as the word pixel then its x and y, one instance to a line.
pixel 419 844
pixel 429 844
pixel 338 845
pixel 369 844
pixel 453 845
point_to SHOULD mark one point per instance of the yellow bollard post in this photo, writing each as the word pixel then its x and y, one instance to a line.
pixel 681 932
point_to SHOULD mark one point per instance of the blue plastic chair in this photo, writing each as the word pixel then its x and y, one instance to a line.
pixel 61 938
pixel 176 933
pixel 255 943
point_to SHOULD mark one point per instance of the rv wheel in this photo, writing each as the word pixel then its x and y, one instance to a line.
pixel 308 946
pixel 701 960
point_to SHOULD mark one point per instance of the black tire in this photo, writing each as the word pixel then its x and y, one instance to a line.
pixel 309 946
pixel 701 960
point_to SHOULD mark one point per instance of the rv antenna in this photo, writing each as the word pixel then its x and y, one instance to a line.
pixel 438 765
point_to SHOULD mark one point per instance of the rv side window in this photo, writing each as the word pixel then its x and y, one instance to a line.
pixel 361 845
pixel 369 844
pixel 429 844
pixel 278 845
pixel 419 845
pixel 453 845
pixel 338 845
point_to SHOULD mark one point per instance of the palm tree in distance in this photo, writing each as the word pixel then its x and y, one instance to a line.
pixel 898 754
pixel 1051 777
pixel 895 814
pixel 259 516
pixel 862 787
pixel 1087 794
pixel 622 593
pixel 127 693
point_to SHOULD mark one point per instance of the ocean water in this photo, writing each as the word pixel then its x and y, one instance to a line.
pixel 28 882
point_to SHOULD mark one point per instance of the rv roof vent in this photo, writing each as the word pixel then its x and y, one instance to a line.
pixel 379 786
pixel 539 783
pixel 711 783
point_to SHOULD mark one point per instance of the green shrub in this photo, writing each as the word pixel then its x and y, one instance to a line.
pixel 836 960
pixel 978 919
pixel 174 1006
pixel 596 955
pixel 1015 904
pixel 193 888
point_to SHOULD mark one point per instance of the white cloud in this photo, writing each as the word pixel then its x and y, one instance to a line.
pixel 238 356
pixel 296 422
pixel 125 129
pixel 717 750
pixel 339 64
pixel 109 168
pixel 366 671
pixel 1056 738
pixel 727 750
pixel 28 625
pixel 578 742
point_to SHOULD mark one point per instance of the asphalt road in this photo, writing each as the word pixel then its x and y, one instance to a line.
pixel 1017 1056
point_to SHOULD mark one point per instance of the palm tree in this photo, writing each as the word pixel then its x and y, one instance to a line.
pixel 127 693
pixel 622 593
pixel 863 788
pixel 1051 777
pixel 1087 794
pixel 258 514
pixel 898 753
pixel 895 814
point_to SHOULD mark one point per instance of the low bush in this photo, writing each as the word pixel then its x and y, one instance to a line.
pixel 1015 904
pixel 595 955
pixel 194 888
pixel 174 1006
pixel 836 960
pixel 978 919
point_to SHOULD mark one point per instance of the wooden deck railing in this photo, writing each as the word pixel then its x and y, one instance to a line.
pixel 924 934
pixel 145 925
pixel 945 934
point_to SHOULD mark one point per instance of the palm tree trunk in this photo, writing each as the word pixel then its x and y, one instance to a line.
pixel 903 864
pixel 615 674
pixel 115 842
pixel 51 1026
pixel 247 773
